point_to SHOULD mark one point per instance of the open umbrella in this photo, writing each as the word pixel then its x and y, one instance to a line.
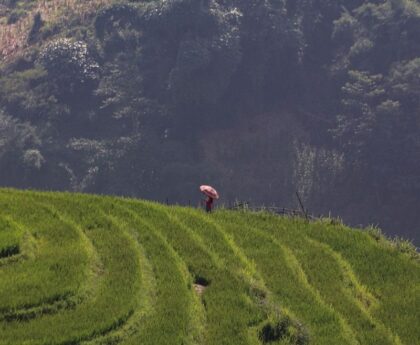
pixel 209 191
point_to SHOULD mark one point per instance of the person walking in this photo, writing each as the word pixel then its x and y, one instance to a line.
pixel 211 195
pixel 209 204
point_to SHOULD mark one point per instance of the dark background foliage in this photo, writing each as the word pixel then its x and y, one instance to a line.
pixel 259 98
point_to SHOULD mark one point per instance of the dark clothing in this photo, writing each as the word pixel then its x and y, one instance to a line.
pixel 209 204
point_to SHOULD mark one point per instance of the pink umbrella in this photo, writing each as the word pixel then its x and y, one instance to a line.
pixel 209 191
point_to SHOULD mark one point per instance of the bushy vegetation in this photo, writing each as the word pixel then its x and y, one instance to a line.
pixel 69 65
pixel 79 269
pixel 263 98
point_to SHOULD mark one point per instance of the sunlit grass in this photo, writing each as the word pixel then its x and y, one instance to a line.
pixel 79 269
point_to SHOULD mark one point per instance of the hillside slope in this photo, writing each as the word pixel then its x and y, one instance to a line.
pixel 147 98
pixel 79 269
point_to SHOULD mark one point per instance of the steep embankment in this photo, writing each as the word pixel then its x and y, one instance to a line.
pixel 78 269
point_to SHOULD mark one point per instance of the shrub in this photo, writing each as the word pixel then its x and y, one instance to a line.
pixel 33 158
pixel 375 233
pixel 284 328
pixel 69 65
pixel 406 247
pixel 15 136
pixel 109 17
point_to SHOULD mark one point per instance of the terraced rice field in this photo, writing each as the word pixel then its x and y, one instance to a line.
pixel 78 269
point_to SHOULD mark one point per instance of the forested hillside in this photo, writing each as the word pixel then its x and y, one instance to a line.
pixel 259 98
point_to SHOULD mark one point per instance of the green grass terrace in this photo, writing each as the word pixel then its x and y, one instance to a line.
pixel 82 269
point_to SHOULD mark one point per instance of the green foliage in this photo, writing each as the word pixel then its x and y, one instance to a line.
pixel 405 82
pixel 18 144
pixel 355 127
pixel 199 57
pixel 119 14
pixel 33 158
pixel 283 329
pixel 14 134
pixel 69 65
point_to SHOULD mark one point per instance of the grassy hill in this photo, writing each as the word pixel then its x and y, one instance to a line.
pixel 79 269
